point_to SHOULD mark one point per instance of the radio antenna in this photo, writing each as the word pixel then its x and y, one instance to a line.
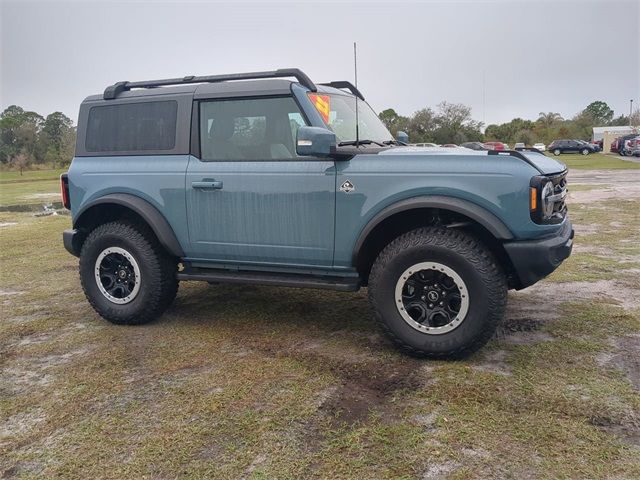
pixel 355 73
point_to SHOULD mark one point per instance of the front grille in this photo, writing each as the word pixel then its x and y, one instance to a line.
pixel 558 197
pixel 560 190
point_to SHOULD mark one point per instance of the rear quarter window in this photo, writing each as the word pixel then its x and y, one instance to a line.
pixel 132 127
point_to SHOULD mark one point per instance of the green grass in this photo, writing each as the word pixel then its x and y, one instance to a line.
pixel 33 187
pixel 595 161
pixel 283 383
pixel 30 175
pixel 33 192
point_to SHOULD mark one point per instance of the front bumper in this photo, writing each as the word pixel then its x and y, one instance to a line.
pixel 535 259
pixel 72 240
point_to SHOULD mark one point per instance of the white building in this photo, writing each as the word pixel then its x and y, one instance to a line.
pixel 598 132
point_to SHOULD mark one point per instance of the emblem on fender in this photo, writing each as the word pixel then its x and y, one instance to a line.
pixel 347 187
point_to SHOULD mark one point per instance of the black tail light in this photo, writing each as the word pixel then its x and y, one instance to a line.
pixel 64 191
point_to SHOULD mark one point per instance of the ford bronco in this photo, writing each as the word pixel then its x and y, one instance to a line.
pixel 268 178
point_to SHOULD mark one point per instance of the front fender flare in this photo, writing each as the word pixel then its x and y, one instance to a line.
pixel 147 211
pixel 477 213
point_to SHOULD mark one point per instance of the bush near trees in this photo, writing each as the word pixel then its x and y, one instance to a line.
pixel 452 123
pixel 27 138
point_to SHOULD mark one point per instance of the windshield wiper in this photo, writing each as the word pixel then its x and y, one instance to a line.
pixel 359 142
pixel 393 142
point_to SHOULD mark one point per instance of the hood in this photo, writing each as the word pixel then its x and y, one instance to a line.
pixel 539 161
pixel 545 165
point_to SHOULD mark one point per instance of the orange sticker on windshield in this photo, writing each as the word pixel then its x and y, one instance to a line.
pixel 322 104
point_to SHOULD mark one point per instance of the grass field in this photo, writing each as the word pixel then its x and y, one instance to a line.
pixel 34 186
pixel 261 382
pixel 596 161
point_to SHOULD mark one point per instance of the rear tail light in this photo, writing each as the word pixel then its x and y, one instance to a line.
pixel 64 191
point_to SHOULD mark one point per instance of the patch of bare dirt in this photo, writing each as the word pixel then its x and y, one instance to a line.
pixel 625 357
pixel 368 387
pixel 493 362
pixel 6 293
pixel 19 424
pixel 590 229
pixel 557 293
pixel 17 380
pixel 608 185
pixel 628 432
pixel 440 470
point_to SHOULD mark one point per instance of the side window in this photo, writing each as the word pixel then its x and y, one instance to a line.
pixel 132 127
pixel 250 129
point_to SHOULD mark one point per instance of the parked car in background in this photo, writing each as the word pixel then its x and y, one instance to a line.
pixel 496 145
pixel 539 146
pixel 571 146
pixel 595 146
pixel 614 146
pixel 598 143
pixel 518 145
pixel 429 145
pixel 450 145
pixel 634 146
pixel 474 145
pixel 623 144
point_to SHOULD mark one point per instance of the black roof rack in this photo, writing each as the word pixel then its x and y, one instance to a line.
pixel 345 84
pixel 112 91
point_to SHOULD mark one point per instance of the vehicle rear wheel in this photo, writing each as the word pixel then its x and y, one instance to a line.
pixel 556 152
pixel 585 151
pixel 437 293
pixel 125 274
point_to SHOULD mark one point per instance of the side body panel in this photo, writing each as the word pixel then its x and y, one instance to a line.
pixel 497 184
pixel 158 179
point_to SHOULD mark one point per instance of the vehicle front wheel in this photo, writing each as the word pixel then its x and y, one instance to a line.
pixel 585 151
pixel 437 293
pixel 125 274
pixel 556 152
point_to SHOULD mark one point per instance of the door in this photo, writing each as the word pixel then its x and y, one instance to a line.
pixel 250 198
pixel 573 146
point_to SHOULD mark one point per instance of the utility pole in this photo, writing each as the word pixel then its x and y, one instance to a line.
pixel 630 109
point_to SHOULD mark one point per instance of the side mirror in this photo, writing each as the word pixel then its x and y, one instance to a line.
pixel 402 137
pixel 315 141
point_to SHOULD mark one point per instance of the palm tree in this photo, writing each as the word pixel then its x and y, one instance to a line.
pixel 549 119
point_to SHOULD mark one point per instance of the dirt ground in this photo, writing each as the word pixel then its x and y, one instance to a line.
pixel 261 382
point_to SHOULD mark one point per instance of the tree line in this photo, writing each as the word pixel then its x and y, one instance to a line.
pixel 27 138
pixel 453 123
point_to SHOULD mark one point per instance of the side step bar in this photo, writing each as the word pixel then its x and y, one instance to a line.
pixel 269 278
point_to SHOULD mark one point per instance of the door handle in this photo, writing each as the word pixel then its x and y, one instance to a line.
pixel 208 185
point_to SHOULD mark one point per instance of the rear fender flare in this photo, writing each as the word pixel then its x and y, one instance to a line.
pixel 150 214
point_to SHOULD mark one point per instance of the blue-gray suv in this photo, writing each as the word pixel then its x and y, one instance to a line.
pixel 262 179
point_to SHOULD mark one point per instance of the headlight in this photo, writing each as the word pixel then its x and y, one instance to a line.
pixel 546 203
pixel 547 198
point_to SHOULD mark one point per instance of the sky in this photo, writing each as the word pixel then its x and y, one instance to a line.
pixel 504 59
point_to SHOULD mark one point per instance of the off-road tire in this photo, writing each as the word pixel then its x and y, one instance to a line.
pixel 471 260
pixel 158 272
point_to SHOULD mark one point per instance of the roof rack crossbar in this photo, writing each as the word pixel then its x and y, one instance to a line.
pixel 345 84
pixel 112 91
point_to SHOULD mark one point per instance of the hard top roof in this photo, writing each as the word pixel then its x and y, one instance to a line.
pixel 237 84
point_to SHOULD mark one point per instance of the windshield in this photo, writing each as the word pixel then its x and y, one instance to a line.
pixel 340 117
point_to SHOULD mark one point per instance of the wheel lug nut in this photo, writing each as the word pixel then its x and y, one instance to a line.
pixel 431 305
pixel 441 303
pixel 423 298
